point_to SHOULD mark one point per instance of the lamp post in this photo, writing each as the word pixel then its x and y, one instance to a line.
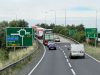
pixel 65 17
pixel 97 30
pixel 45 17
pixel 54 15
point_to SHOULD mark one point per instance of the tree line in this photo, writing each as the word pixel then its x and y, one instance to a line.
pixel 4 51
pixel 76 32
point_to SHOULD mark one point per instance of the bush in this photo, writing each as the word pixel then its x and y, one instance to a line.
pixel 4 55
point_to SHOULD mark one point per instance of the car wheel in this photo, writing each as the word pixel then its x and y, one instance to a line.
pixel 55 48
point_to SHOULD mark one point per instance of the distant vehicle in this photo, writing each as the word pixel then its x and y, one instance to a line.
pixel 48 36
pixel 51 45
pixel 57 39
pixel 98 39
pixel 77 50
pixel 39 33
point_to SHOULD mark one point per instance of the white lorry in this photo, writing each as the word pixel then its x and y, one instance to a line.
pixel 77 50
pixel 39 33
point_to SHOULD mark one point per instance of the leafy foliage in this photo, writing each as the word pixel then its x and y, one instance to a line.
pixel 4 52
pixel 76 32
pixel 18 23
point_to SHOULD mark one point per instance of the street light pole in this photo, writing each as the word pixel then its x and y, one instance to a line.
pixel 96 18
pixel 97 31
pixel 65 17
pixel 54 15
pixel 45 17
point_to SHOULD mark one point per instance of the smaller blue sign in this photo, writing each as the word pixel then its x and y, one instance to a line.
pixel 12 38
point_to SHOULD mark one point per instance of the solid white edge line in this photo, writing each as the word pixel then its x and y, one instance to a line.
pixel 38 62
pixel 93 58
pixel 69 65
pixel 73 72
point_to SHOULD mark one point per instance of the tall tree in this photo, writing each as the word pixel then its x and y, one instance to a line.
pixel 3 26
pixel 18 23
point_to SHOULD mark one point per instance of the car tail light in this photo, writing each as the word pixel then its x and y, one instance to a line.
pixel 46 42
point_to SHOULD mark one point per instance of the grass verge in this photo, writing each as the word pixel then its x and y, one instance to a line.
pixel 15 56
pixel 91 50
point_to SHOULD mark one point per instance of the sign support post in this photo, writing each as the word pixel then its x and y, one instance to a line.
pixel 14 49
pixel 92 33
pixel 95 41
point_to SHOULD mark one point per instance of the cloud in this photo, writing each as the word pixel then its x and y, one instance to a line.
pixel 34 10
pixel 82 9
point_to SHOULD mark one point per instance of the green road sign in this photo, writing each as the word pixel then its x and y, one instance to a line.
pixel 91 32
pixel 19 37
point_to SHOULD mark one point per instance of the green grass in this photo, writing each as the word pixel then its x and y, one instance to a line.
pixel 95 52
pixel 16 55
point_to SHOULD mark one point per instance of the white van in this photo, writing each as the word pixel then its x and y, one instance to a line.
pixel 77 50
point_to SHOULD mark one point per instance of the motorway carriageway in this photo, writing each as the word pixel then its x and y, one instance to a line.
pixel 57 62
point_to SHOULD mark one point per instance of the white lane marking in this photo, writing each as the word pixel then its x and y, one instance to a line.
pixel 69 65
pixel 93 58
pixel 64 54
pixel 66 57
pixel 38 62
pixel 63 51
pixel 67 60
pixel 60 48
pixel 73 72
pixel 65 46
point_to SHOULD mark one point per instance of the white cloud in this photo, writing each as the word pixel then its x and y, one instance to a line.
pixel 35 10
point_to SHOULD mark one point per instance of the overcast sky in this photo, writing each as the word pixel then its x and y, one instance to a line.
pixel 36 11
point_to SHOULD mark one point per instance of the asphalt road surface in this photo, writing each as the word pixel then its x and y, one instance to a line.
pixel 57 62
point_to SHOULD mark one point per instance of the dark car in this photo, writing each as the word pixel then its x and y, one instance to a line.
pixel 51 45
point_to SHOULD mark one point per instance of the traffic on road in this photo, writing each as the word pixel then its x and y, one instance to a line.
pixel 63 58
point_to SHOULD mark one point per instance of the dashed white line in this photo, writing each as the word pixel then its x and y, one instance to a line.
pixel 65 46
pixel 67 60
pixel 73 72
pixel 64 54
pixel 60 48
pixel 66 57
pixel 69 65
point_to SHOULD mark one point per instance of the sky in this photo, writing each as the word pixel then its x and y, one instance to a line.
pixel 39 11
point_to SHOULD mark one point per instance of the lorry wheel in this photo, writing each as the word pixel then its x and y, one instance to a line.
pixel 83 57
pixel 70 56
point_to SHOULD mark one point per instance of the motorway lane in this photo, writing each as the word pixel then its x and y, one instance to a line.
pixel 63 40
pixel 86 66
pixel 54 63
